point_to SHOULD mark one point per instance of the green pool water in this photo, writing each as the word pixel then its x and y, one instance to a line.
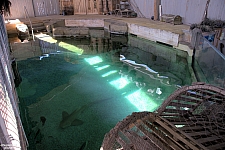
pixel 97 88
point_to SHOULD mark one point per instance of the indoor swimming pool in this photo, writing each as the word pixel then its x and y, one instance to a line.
pixel 78 89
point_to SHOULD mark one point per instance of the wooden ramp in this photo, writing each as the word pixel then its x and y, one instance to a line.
pixel 193 117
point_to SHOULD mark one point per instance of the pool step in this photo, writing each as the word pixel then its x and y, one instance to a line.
pixel 38 25
pixel 185 46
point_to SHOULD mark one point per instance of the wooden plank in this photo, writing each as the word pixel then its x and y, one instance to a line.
pixel 122 143
pixel 189 99
pixel 176 119
pixel 168 138
pixel 178 134
pixel 181 123
pixel 176 111
pixel 158 141
pixel 192 96
pixel 169 114
pixel 188 128
pixel 140 142
pixel 182 104
pixel 209 139
pixel 217 146
pixel 199 133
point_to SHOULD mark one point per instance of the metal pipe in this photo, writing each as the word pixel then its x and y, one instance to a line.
pixel 160 12
pixel 32 31
pixel 33 8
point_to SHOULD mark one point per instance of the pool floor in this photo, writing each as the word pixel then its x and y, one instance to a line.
pixel 67 99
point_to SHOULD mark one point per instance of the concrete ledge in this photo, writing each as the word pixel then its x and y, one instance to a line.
pixel 97 33
pixel 53 24
pixel 185 46
pixel 85 23
pixel 154 34
pixel 160 50
pixel 115 26
pixel 70 31
pixel 122 27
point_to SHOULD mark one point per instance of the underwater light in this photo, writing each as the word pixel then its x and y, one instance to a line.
pixel 71 48
pixel 46 38
pixel 119 83
pixel 101 68
pixel 93 60
pixel 142 101
pixel 109 73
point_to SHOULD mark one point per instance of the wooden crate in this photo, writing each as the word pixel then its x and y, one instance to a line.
pixel 174 19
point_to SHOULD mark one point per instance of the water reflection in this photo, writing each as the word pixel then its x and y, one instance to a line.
pixel 108 68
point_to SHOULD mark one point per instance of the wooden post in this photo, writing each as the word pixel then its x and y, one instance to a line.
pixel 156 9
pixel 86 7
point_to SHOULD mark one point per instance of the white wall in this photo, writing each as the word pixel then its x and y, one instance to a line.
pixel 191 11
pixel 17 9
pixel 34 8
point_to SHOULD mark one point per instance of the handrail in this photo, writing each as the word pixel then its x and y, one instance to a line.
pixel 136 8
pixel 27 15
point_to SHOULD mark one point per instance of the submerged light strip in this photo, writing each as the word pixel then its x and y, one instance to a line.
pixel 119 83
pixel 93 60
pixel 142 101
pixel 102 67
pixel 69 47
pixel 109 73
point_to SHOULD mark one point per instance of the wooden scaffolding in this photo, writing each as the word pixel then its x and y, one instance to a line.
pixel 193 117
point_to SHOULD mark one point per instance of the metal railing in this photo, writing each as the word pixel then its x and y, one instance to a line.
pixel 209 64
pixel 31 26
pixel 7 80
pixel 136 9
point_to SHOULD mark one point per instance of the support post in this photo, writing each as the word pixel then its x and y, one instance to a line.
pixel 86 7
pixel 156 9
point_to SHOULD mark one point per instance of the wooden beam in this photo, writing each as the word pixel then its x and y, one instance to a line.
pixel 156 9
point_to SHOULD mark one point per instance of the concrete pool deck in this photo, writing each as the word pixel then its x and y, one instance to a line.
pixel 177 36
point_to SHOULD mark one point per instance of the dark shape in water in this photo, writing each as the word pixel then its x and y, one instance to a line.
pixel 43 119
pixel 18 78
pixel 37 133
pixel 84 146
pixel 72 119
